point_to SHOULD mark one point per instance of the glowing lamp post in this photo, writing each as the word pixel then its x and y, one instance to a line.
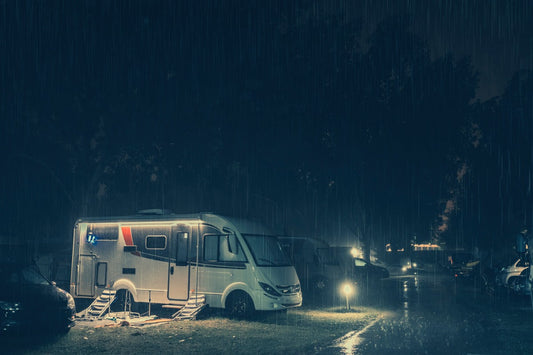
pixel 347 290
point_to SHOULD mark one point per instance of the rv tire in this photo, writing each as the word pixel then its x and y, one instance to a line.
pixel 239 305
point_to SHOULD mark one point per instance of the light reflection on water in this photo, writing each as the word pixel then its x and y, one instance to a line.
pixel 410 294
pixel 348 343
pixel 405 297
pixel 414 299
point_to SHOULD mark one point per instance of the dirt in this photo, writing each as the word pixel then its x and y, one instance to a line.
pixel 296 331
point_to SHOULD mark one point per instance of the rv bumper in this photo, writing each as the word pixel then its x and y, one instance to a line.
pixel 269 303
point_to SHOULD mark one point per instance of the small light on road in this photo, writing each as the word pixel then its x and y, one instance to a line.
pixel 347 289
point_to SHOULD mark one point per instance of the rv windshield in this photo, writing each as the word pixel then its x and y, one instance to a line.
pixel 266 250
pixel 337 256
pixel 327 256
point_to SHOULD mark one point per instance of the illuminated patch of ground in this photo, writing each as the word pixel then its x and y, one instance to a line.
pixel 296 331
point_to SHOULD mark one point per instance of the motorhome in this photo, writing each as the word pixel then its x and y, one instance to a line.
pixel 164 258
pixel 322 275
pixel 325 271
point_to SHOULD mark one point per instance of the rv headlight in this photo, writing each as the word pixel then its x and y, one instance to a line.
pixel 269 289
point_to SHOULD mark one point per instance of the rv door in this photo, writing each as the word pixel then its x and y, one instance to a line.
pixel 178 268
pixel 86 273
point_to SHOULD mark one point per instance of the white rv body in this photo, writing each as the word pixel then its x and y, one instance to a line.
pixel 166 258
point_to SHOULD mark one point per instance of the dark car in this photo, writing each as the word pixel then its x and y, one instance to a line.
pixel 365 270
pixel 29 303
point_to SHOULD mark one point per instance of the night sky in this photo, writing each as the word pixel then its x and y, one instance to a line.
pixel 377 121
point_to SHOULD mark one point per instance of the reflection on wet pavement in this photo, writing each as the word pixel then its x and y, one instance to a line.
pixel 348 343
pixel 427 320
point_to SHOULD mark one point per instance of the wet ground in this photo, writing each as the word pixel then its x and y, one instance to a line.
pixel 434 313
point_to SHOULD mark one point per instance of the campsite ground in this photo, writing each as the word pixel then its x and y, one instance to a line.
pixel 411 314
pixel 302 330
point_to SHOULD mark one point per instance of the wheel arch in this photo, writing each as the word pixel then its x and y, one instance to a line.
pixel 510 278
pixel 124 284
pixel 236 287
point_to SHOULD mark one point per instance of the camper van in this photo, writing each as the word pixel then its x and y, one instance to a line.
pixel 158 257
pixel 322 274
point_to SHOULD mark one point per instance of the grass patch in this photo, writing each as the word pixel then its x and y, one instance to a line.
pixel 296 331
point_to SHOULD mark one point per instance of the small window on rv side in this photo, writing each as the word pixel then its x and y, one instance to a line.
pixel 156 242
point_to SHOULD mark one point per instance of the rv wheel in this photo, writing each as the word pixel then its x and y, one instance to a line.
pixel 239 305
pixel 320 284
pixel 319 289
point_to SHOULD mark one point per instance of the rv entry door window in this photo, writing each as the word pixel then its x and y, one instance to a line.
pixel 181 250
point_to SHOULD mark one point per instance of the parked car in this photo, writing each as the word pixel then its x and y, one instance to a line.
pixel 507 274
pixel 365 270
pixel 467 270
pixel 408 266
pixel 399 264
pixel 29 303
pixel 359 270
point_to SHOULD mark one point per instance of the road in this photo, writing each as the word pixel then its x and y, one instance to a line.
pixel 433 313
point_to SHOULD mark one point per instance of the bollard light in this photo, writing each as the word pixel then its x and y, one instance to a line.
pixel 347 290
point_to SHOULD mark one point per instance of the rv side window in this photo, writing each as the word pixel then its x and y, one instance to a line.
pixel 216 250
pixel 102 232
pixel 226 254
pixel 211 248
pixel 156 242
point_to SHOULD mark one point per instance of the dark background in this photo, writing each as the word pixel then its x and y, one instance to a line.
pixel 372 121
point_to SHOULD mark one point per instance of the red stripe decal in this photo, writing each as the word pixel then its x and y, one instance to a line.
pixel 126 233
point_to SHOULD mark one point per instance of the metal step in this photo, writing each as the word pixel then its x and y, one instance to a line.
pixel 172 306
pixel 99 306
pixel 193 306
